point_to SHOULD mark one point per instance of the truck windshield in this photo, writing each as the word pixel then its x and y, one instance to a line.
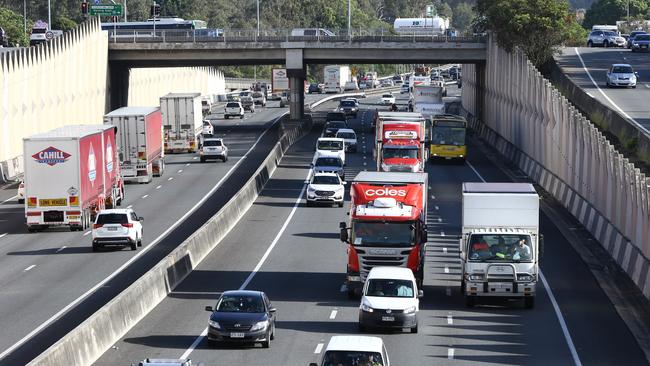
pixel 383 234
pixel 500 247
pixel 443 135
pixel 407 153
pixel 352 358
pixel 330 145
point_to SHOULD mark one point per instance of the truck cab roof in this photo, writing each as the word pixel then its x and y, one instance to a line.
pixel 131 111
pixel 525 188
pixel 390 177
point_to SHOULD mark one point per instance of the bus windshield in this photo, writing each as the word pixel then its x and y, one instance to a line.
pixel 443 135
pixel 383 234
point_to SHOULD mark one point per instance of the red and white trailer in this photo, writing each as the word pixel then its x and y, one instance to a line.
pixel 70 174
pixel 139 142
pixel 400 142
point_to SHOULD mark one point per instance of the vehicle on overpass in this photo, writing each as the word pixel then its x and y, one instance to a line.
pixel 160 24
pixel 640 43
pixel 170 28
pixel 139 142
pixel 400 142
pixel 242 316
pixel 447 141
pixel 71 173
pixel 325 188
pixel 422 26
pixel 354 350
pixel 164 362
pixel 42 33
pixel 335 77
pixel 390 300
pixel 117 228
pixel 388 220
pixel 213 148
pixel 311 32
pixel 500 246
pixel 182 117
pixel 621 75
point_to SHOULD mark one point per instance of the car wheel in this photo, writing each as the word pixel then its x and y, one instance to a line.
pixel 529 302
pixel 212 344
pixel 273 333
pixel 362 328
pixel 134 246
pixel 21 200
pixel 140 241
pixel 202 159
pixel 341 204
pixel 590 44
pixel 267 342
pixel 309 203
pixel 241 116
pixel 606 44
pixel 469 301
pixel 414 329
pixel 226 116
pixel 95 247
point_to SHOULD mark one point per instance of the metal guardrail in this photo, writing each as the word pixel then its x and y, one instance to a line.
pixel 280 35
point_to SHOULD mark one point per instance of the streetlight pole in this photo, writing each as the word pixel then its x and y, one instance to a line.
pixel 49 16
pixel 258 18
pixel 628 13
pixel 349 19
pixel 124 11
pixel 25 16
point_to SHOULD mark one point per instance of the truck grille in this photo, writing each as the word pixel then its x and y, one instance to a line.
pixel 400 168
pixel 324 193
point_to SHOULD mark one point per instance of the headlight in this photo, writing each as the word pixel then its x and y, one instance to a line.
pixel 525 277
pixel 214 324
pixel 260 325
pixel 365 307
pixel 310 189
pixel 410 310
pixel 476 277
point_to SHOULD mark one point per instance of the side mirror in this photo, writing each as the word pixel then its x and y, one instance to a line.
pixel 541 245
pixel 272 310
pixel 420 294
pixel 425 236
pixel 140 218
pixel 311 165
pixel 343 235
pixel 209 308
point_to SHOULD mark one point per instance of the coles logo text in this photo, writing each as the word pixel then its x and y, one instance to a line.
pixel 51 156
pixel 386 192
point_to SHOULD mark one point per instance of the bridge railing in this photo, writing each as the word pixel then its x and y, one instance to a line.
pixel 279 35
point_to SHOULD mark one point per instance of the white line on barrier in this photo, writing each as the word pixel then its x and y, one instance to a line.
pixel 180 171
pixel 446 269
pixel 158 187
pixel 195 158
pixel 450 353
pixel 333 314
pixel 549 292
pixel 442 233
pixel 60 249
pixel 136 256
pixel 170 178
pixel 3 235
pixel 444 250
pixel 9 199
pixel 319 347
pixel 188 164
pixel 87 233
pixel 450 320
pixel 30 267
pixel 129 206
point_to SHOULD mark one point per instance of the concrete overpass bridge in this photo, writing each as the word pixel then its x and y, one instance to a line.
pixel 129 49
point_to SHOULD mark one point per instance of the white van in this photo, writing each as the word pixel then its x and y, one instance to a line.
pixel 311 32
pixel 390 299
pixel 330 147
pixel 355 350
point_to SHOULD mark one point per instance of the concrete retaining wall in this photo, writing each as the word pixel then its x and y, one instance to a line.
pixel 532 124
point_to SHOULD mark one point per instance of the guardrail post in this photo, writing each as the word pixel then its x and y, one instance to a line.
pixel 194 36
pixel 382 35
pixel 163 36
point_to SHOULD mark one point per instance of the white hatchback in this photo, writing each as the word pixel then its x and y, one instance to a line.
pixel 117 227
pixel 387 99
pixel 208 129
pixel 355 350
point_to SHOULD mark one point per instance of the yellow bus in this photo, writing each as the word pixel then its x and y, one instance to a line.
pixel 447 138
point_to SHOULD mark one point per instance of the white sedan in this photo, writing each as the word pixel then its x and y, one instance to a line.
pixel 387 99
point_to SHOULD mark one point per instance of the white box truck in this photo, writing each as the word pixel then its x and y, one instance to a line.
pixel 335 77
pixel 182 118
pixel 500 245
pixel 139 142
pixel 427 100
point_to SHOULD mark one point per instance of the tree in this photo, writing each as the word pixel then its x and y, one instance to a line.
pixel 463 16
pixel 538 27
pixel 444 10
pixel 13 25
pixel 609 11
pixel 64 23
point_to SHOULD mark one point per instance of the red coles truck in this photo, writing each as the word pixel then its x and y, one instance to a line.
pixel 400 142
pixel 139 142
pixel 388 219
pixel 71 173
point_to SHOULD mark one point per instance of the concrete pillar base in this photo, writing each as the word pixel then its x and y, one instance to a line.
pixel 297 85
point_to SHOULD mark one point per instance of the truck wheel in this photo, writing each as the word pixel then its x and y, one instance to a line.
pixel 469 301
pixel 31 229
pixel 351 294
pixel 225 158
pixel 241 117
pixel 202 159
pixel 21 201
pixel 529 302
pixel 362 328
pixel 226 116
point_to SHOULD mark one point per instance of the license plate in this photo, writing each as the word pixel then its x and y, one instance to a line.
pixel 236 335
pixel 112 229
pixel 388 318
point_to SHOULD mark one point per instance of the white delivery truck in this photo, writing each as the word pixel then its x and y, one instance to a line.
pixel 335 77
pixel 139 142
pixel 182 119
pixel 500 245
pixel 427 100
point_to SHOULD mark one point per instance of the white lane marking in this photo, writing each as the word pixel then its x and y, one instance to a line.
pixel 87 233
pixel 450 353
pixel 158 187
pixel 3 235
pixel 170 178
pixel 446 269
pixel 584 67
pixel 195 158
pixel 560 318
pixel 437 208
pixel 439 219
pixel 475 171
pixel 444 250
pixel 60 249
pixel 442 233
pixel 135 257
pixel 319 347
pixel 29 268
pixel 145 196
pixel 343 288
pixel 129 206
pixel 9 199
pixel 558 314
pixel 333 314
pixel 433 197
pixel 450 320
pixel 188 164
pixel 180 171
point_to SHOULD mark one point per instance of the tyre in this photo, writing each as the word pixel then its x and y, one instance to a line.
pixel 414 329
pixel 590 44
pixel 267 342
pixel 202 159
pixel 31 229
pixel 634 87
pixel 606 44
pixel 469 301
pixel 226 116
pixel 529 302
pixel 95 247
pixel 241 117
pixel 212 344
pixel 309 203
pixel 362 328
pixel 273 333
pixel 340 204
pixel 134 246
pixel 140 242
pixel 351 294
pixel 21 200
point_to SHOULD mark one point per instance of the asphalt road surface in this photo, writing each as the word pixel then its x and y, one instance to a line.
pixel 632 102
pixel 301 266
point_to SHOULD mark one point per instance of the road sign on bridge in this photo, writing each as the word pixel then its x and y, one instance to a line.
pixel 106 9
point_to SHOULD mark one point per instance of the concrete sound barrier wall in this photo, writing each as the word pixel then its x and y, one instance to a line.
pixel 533 125
pixel 147 85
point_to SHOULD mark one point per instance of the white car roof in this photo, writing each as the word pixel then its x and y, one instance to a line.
pixel 116 211
pixel 329 174
pixel 355 343
pixel 393 273
pixel 345 130
pixel 331 138
pixel 213 139
pixel 628 65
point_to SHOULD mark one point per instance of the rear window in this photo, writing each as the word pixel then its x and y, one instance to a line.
pixel 347 103
pixel 330 145
pixel 336 124
pixel 329 162
pixel 232 105
pixel 212 143
pixel 346 135
pixel 112 218
pixel 387 96
pixel 642 37
pixel 325 179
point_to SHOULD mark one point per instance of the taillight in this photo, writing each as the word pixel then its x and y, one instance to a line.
pixel 128 224
pixel 97 226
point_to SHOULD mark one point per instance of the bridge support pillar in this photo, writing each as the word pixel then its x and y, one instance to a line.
pixel 297 75
pixel 119 86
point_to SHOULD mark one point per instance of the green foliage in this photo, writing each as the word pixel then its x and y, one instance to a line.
pixel 538 27
pixel 575 34
pixel 609 11
pixel 463 15
pixel 64 23
pixel 13 25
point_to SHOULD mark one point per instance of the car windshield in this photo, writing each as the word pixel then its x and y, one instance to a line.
pixel 500 247
pixel 232 105
pixel 346 135
pixel 381 234
pixel 390 288
pixel 352 358
pixel 622 70
pixel 211 143
pixel 642 37
pixel 443 135
pixel 330 145
pixel 329 162
pixel 347 103
pixel 336 124
pixel 332 116
pixel 257 95
pixel 244 94
pixel 407 153
pixel 240 304
pixel 325 179
pixel 610 34
pixel 112 218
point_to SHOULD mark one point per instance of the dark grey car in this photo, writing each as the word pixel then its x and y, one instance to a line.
pixel 641 43
pixel 242 317
pixel 329 164
pixel 332 127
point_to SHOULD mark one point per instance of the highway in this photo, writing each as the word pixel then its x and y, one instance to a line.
pixel 633 102
pixel 293 253
pixel 52 280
